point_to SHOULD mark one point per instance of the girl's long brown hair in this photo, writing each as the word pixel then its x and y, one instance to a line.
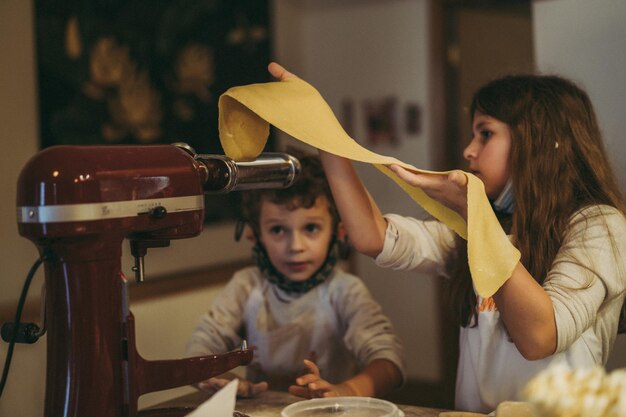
pixel 558 164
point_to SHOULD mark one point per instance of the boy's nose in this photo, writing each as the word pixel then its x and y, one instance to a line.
pixel 296 243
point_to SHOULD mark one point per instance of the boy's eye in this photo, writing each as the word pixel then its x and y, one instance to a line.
pixel 276 230
pixel 312 227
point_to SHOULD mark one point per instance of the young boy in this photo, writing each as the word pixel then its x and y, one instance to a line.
pixel 315 329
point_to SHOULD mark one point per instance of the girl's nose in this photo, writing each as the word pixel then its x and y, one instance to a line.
pixel 470 151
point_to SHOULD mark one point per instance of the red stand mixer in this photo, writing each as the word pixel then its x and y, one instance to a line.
pixel 78 204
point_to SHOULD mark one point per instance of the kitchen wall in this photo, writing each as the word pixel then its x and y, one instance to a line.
pixel 23 394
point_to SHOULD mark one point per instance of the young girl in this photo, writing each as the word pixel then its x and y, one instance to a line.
pixel 537 148
pixel 315 329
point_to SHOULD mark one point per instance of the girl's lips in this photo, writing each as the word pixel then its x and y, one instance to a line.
pixel 476 173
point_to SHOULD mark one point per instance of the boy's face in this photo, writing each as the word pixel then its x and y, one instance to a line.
pixel 296 240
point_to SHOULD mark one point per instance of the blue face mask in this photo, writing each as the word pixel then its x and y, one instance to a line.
pixel 505 201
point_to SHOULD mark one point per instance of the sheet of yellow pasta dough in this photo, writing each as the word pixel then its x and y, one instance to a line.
pixel 297 108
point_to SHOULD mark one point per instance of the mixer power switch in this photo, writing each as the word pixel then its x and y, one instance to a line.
pixel 158 212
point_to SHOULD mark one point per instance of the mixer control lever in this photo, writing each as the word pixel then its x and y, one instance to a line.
pixel 139 248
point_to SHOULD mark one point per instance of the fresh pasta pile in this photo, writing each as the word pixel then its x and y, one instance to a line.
pixel 562 392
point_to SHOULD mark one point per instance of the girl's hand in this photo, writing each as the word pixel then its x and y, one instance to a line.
pixel 360 215
pixel 450 190
pixel 312 386
pixel 245 389
pixel 279 72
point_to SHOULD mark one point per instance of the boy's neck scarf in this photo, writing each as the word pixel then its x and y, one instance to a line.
pixel 270 273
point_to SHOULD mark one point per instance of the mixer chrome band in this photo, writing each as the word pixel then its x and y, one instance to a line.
pixel 109 210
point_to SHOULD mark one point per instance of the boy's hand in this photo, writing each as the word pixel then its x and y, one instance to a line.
pixel 450 190
pixel 245 389
pixel 312 386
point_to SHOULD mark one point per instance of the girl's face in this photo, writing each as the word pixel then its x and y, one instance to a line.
pixel 296 240
pixel 488 153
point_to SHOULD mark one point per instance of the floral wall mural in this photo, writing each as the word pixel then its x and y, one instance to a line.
pixel 146 71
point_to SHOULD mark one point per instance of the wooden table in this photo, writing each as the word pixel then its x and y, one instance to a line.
pixel 266 404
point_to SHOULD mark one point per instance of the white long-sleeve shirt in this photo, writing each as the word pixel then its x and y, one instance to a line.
pixel 586 283
pixel 337 324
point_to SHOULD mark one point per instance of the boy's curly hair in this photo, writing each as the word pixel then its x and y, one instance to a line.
pixel 304 192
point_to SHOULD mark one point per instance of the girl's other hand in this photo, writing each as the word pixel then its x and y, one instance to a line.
pixel 450 190
pixel 311 385
pixel 279 72
pixel 245 389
